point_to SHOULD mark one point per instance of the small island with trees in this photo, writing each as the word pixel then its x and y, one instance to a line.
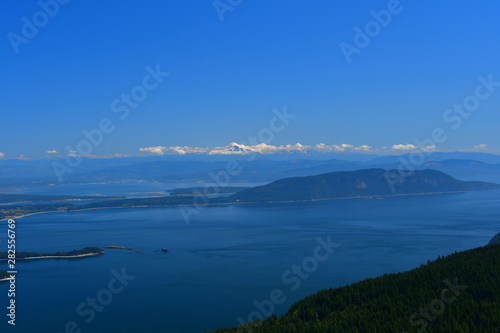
pixel 118 247
pixel 85 252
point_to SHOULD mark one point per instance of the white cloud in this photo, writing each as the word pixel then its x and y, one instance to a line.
pixel 106 156
pixel 235 148
pixel 240 149
pixel 263 148
pixel 296 148
pixel 232 149
pixel 481 147
pixel 363 148
pixel 344 147
pixel 2 155
pixel 320 146
pixel 51 151
pixel 429 148
pixel 333 148
pixel 174 150
pixel 186 150
pixel 154 150
pixel 404 147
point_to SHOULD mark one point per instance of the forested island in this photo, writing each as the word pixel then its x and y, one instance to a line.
pixel 367 183
pixel 119 247
pixel 85 252
pixel 457 293
pixel 360 183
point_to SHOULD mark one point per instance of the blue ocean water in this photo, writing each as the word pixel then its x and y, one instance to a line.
pixel 227 259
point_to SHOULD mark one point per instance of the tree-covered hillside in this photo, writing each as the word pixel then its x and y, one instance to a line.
pixel 457 293
pixel 360 183
pixel 495 240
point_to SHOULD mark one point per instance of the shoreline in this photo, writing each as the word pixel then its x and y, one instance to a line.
pixel 242 202
pixel 58 257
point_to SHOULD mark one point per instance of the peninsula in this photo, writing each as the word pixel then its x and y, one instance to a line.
pixel 85 252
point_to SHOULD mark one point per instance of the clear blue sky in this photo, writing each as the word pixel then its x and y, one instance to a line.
pixel 227 76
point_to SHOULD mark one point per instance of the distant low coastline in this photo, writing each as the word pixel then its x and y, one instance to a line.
pixel 235 203
pixel 360 184
pixel 85 252
pixel 61 257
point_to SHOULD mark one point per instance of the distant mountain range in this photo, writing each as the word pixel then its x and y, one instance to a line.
pixel 360 183
pixel 256 168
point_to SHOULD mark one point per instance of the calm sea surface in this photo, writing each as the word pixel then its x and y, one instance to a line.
pixel 226 258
